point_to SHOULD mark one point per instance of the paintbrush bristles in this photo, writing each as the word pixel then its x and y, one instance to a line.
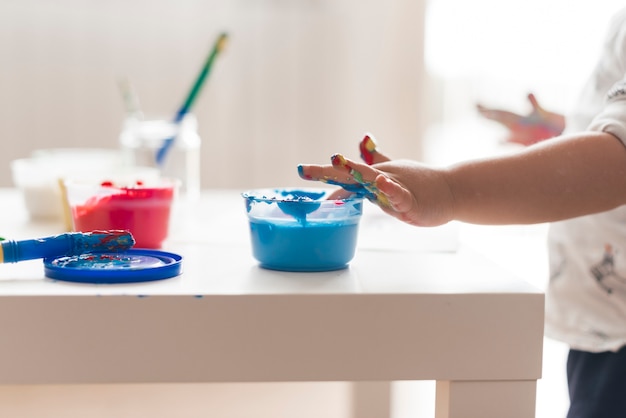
pixel 221 42
pixel 101 241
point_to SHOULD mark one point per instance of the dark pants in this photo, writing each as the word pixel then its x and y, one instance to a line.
pixel 597 384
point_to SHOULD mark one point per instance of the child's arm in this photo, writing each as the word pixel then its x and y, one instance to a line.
pixel 567 177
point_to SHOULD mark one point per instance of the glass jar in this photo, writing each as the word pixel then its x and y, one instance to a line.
pixel 141 139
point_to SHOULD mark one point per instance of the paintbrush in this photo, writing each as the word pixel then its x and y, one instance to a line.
pixel 131 101
pixel 219 45
pixel 68 244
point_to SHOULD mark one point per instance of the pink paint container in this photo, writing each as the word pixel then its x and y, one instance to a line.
pixel 144 209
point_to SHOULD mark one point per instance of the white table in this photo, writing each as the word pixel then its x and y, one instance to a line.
pixel 399 312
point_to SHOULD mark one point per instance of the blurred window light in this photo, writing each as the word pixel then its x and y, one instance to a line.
pixel 521 40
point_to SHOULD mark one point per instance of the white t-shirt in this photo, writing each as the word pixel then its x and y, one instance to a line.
pixel 586 297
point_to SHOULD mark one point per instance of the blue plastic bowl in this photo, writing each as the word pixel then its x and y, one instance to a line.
pixel 301 230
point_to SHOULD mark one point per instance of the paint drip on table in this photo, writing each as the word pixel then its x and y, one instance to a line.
pixel 301 230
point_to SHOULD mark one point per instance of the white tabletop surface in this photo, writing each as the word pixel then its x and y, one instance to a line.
pixel 413 304
pixel 212 236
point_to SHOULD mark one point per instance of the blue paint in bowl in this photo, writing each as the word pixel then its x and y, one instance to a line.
pixel 301 230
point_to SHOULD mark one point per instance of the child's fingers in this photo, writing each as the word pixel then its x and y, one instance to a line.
pixel 400 199
pixel 379 157
pixel 533 101
pixel 488 112
pixel 340 194
pixel 361 173
pixel 324 173
pixel 369 151
pixel 351 176
pixel 336 177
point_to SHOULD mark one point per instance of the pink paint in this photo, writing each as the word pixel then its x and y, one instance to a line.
pixel 144 211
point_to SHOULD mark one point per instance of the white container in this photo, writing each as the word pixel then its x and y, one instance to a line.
pixel 39 176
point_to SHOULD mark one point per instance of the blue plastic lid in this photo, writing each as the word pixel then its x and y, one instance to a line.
pixel 130 266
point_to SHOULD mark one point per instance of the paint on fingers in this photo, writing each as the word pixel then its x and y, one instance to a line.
pixel 378 197
pixel 346 184
pixel 367 147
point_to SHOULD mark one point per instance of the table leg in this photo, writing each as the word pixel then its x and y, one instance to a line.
pixel 371 400
pixel 486 399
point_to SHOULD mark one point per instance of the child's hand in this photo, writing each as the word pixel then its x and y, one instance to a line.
pixel 398 187
pixel 539 125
